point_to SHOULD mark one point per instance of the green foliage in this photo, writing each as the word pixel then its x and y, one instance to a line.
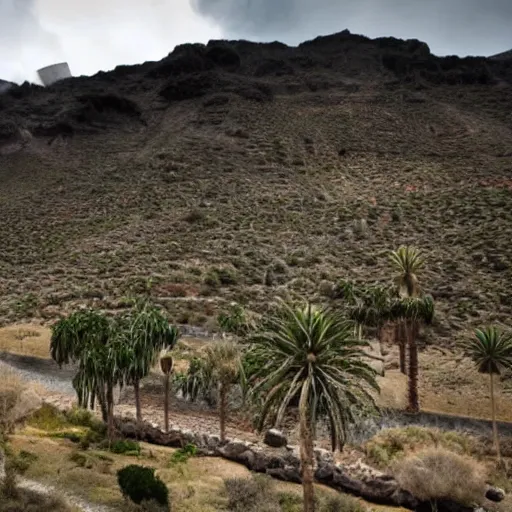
pixel 311 353
pixel 48 418
pixel 125 446
pixel 84 418
pixel 140 484
pixel 234 320
pixel 408 261
pixel 183 454
pixel 491 350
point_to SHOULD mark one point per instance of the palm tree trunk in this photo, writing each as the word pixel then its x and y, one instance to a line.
pixel 307 455
pixel 166 403
pixel 494 425
pixel 222 411
pixel 93 399
pixel 400 339
pixel 110 412
pixel 100 392
pixel 136 391
pixel 414 405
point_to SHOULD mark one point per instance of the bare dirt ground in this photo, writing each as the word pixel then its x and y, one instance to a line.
pixel 449 383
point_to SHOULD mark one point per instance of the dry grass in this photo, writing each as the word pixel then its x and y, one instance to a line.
pixel 195 486
pixel 394 444
pixel 29 501
pixel 26 339
pixel 437 474
pixel 11 388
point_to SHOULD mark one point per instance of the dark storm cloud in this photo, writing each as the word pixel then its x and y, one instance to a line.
pixel 449 26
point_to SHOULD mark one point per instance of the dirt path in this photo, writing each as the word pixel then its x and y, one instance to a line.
pixel 70 499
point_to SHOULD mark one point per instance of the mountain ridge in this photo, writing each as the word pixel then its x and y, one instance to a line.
pixel 238 171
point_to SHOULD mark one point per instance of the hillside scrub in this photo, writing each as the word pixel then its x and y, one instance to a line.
pixel 438 474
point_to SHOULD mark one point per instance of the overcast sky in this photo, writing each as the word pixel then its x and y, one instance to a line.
pixel 93 35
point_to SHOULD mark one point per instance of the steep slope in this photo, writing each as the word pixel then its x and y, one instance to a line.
pixel 238 171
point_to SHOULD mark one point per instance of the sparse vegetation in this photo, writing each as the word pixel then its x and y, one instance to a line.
pixel 437 474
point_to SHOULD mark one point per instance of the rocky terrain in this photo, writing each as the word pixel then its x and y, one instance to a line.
pixel 239 171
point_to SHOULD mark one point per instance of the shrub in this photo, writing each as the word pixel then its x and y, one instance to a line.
pixel 340 503
pixel 183 454
pixel 47 418
pixel 125 446
pixel 394 443
pixel 437 474
pixel 251 494
pixel 85 418
pixel 140 484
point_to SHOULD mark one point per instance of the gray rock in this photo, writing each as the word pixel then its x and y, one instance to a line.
pixel 232 450
pixel 275 438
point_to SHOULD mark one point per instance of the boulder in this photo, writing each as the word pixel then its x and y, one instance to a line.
pixel 275 438
pixel 495 494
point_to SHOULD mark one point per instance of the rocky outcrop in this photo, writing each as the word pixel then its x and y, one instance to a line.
pixel 281 463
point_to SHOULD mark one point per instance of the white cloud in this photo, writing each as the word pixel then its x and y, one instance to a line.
pixel 93 35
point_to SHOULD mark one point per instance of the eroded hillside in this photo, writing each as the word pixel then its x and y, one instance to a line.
pixel 238 171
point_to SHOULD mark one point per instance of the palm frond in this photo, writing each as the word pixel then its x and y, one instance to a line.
pixel 312 351
pixel 490 349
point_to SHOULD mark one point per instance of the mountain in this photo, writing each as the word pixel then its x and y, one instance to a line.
pixel 503 56
pixel 235 171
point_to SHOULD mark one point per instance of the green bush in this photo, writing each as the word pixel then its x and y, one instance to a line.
pixel 183 454
pixel 85 418
pixel 140 483
pixel 125 446
pixel 47 418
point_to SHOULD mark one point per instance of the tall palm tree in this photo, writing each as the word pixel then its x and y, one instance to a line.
pixel 146 330
pixel 412 312
pixel 491 351
pixel 310 355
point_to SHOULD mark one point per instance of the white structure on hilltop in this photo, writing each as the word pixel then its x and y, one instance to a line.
pixel 51 74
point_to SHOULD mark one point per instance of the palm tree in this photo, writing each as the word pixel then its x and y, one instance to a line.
pixel 146 330
pixel 310 355
pixel 223 365
pixel 408 261
pixel 166 364
pixel 411 313
pixel 219 370
pixel 491 351
pixel 70 338
pixel 91 339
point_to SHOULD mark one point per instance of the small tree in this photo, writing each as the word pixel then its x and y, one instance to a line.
pixel 166 364
pixel 219 371
pixel 491 351
pixel 147 332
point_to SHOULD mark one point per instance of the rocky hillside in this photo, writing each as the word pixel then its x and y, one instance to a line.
pixel 238 171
